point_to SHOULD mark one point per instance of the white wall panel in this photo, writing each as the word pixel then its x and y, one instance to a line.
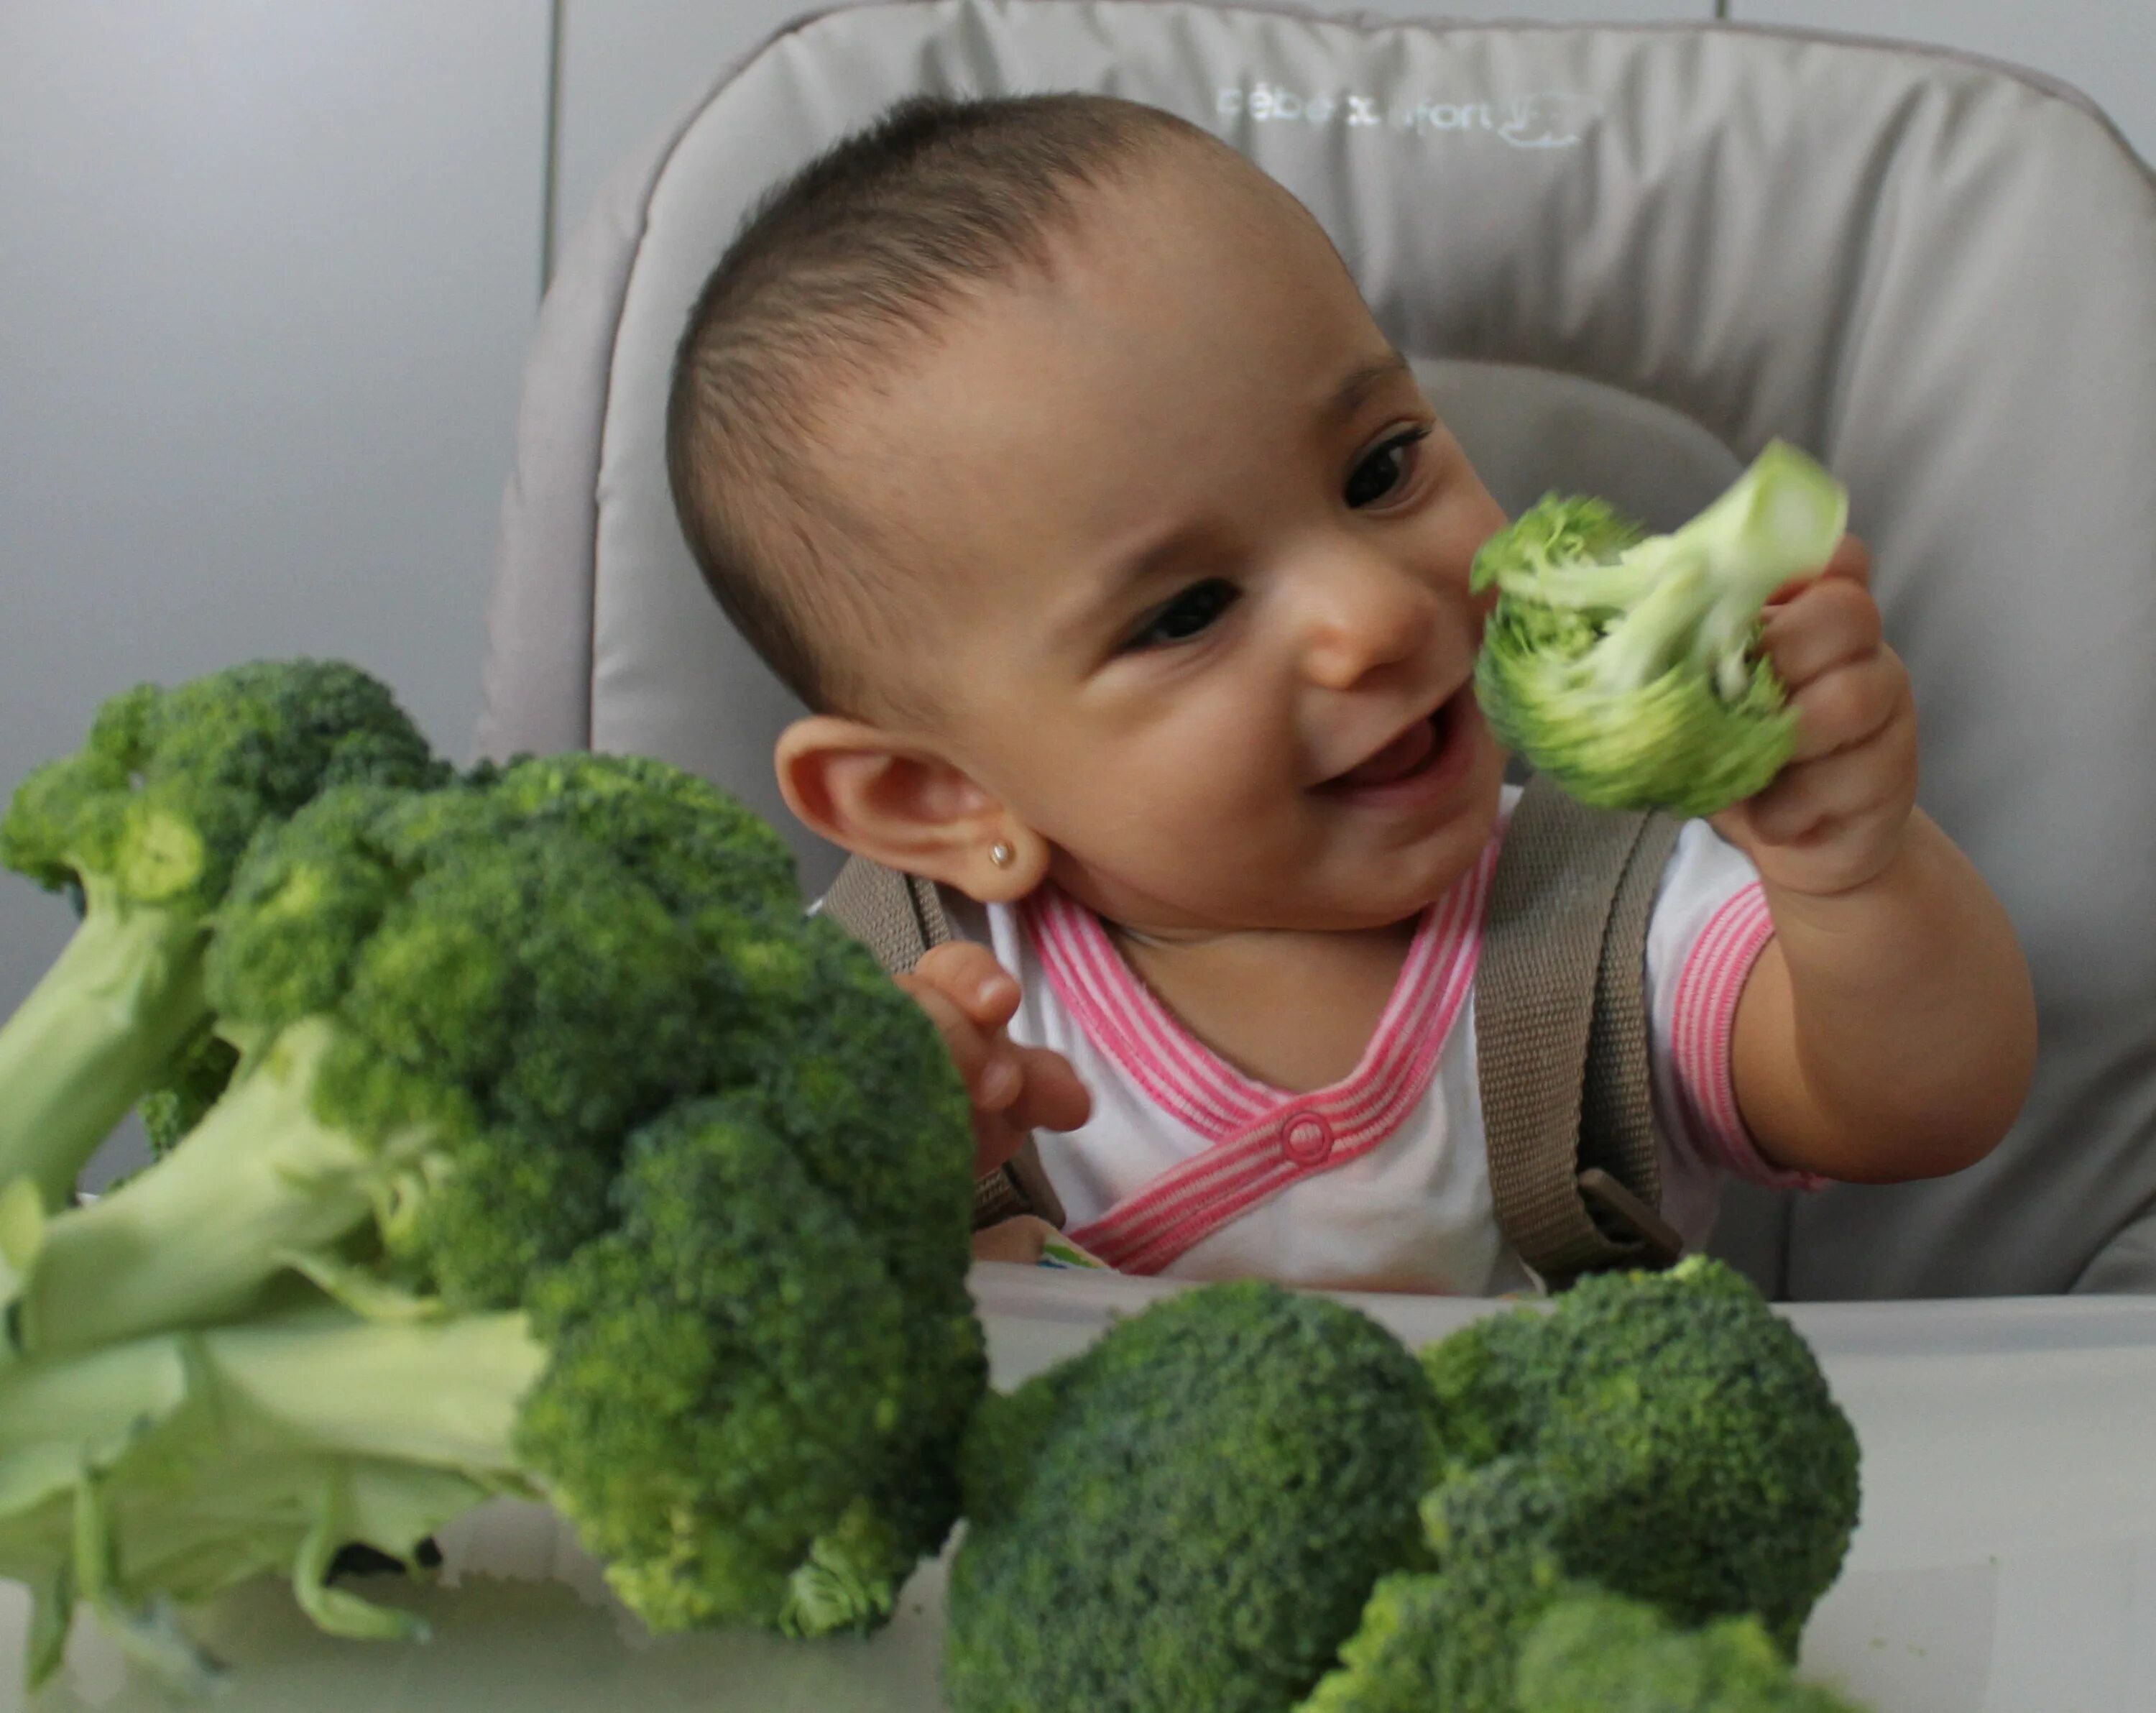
pixel 631 66
pixel 2107 48
pixel 267 273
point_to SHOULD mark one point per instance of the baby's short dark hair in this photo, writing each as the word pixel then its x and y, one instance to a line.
pixel 872 241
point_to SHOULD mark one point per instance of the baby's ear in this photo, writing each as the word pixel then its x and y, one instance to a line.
pixel 903 806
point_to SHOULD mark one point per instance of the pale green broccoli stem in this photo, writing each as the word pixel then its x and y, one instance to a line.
pixel 444 1393
pixel 318 1382
pixel 1657 634
pixel 1589 584
pixel 1779 521
pixel 94 1036
pixel 196 1238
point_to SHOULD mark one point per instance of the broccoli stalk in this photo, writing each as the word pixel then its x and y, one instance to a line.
pixel 1623 667
pixel 99 1028
pixel 729 1465
pixel 144 824
pixel 156 1472
pixel 517 1079
pixel 262 1185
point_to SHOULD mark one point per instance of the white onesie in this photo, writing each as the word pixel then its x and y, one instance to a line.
pixel 1191 1169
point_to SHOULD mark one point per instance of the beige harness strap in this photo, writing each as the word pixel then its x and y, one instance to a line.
pixel 898 917
pixel 1561 1037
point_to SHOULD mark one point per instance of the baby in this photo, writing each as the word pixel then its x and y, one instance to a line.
pixel 1046 449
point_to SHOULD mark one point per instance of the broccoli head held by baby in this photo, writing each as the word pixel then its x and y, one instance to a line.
pixel 1625 666
pixel 519 1136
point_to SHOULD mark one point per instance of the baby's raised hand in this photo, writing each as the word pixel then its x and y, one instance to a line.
pixel 1014 1089
pixel 1836 815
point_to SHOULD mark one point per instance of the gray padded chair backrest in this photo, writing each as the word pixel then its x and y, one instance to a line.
pixel 1635 254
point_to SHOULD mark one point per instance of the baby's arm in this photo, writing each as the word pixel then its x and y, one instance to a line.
pixel 1888 1030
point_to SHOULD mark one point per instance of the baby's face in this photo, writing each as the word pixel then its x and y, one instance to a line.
pixel 1198 549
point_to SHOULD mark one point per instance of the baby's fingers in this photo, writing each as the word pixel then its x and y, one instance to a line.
pixel 970 977
pixel 1052 1097
pixel 1850 706
pixel 990 1074
pixel 1831 623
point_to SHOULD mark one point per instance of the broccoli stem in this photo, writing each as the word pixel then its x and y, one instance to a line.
pixel 94 1036
pixel 196 1236
pixel 445 1393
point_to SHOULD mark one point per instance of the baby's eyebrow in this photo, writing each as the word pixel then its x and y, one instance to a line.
pixel 1364 379
pixel 1114 587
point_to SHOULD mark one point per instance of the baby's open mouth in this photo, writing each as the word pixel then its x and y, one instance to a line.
pixel 1411 752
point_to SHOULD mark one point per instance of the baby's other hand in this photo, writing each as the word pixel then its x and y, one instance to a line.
pixel 1836 815
pixel 1014 1089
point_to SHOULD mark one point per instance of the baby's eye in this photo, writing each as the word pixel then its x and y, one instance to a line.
pixel 1385 470
pixel 1187 613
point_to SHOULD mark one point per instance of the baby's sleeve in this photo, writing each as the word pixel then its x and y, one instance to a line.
pixel 1708 927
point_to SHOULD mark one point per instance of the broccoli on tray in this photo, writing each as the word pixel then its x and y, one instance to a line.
pixel 1624 665
pixel 1203 1510
pixel 546 1149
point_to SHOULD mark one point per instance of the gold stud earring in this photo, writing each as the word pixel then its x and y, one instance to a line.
pixel 1000 854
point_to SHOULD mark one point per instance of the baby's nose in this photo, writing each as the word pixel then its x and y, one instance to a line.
pixel 1365 612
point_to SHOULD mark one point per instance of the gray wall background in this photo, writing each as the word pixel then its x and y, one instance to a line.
pixel 267 271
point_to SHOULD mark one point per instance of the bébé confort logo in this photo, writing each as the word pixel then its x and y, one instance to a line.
pixel 1533 121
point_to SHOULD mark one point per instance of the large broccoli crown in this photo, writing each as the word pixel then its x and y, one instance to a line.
pixel 730 1373
pixel 1189 1513
pixel 1623 664
pixel 1596 1653
pixel 158 804
pixel 503 985
pixel 1702 1462
pixel 698 846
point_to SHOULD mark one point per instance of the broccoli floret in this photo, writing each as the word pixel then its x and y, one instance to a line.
pixel 1451 1637
pixel 144 825
pixel 685 837
pixel 1596 1653
pixel 1190 1514
pixel 1624 666
pixel 194 1082
pixel 1693 1453
pixel 561 1235
pixel 746 1413
pixel 447 1019
pixel 718 1392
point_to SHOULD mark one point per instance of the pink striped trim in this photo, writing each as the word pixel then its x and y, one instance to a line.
pixel 1251 1126
pixel 1713 978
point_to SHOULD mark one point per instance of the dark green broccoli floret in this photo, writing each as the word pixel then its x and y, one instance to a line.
pixel 1595 1653
pixel 144 825
pixel 1452 1638
pixel 720 1392
pixel 746 1413
pixel 1700 1460
pixel 1190 1514
pixel 654 1210
pixel 194 1082
pixel 1623 664
pixel 686 839
pixel 447 1021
